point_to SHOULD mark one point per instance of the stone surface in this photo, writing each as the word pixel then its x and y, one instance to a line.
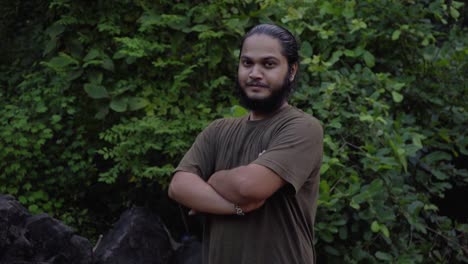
pixel 28 239
pixel 138 237
pixel 190 252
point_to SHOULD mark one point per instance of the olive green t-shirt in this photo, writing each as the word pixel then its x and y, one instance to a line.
pixel 290 143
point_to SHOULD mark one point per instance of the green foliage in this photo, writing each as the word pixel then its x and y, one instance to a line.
pixel 122 88
pixel 44 153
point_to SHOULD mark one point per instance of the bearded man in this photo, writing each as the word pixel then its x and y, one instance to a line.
pixel 256 177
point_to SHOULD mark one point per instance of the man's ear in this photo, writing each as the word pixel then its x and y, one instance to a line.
pixel 292 72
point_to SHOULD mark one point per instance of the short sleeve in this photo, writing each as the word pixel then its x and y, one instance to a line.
pixel 200 158
pixel 295 151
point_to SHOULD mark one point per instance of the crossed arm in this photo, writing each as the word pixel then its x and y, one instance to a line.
pixel 247 186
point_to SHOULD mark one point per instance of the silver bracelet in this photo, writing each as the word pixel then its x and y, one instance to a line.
pixel 238 209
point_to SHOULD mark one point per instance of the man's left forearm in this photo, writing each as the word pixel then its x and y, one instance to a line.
pixel 231 185
pixel 246 184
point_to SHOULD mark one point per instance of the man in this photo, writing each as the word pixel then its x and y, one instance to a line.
pixel 256 177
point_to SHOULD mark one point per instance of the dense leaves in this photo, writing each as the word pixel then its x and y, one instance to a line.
pixel 112 93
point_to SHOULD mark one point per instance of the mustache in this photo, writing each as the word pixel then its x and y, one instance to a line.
pixel 257 84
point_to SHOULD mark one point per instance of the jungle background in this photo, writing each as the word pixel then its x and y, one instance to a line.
pixel 100 99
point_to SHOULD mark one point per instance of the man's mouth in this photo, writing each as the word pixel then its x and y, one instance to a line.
pixel 259 85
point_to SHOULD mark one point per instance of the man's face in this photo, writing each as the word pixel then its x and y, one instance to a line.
pixel 263 77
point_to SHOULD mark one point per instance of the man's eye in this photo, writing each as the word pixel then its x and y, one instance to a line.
pixel 246 63
pixel 270 64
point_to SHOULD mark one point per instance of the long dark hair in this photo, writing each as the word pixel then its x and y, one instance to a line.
pixel 290 48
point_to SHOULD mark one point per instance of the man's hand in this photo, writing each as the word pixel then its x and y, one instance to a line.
pixel 246 208
pixel 191 191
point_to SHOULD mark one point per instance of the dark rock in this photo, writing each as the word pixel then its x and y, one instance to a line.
pixel 12 217
pixel 37 239
pixel 138 237
pixel 190 252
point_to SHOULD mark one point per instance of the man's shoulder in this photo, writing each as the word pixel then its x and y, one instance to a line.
pixel 299 117
pixel 225 123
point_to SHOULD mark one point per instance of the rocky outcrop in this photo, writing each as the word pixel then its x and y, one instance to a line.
pixel 38 239
pixel 190 252
pixel 139 236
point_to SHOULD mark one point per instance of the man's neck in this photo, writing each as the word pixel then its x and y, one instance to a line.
pixel 259 116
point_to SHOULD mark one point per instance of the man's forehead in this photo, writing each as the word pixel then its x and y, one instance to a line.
pixel 261 46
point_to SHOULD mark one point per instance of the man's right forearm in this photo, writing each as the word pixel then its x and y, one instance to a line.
pixel 191 191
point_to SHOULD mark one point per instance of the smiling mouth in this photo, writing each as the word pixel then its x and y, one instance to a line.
pixel 257 85
pixel 257 89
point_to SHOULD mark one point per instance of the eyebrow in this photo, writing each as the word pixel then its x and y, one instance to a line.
pixel 263 58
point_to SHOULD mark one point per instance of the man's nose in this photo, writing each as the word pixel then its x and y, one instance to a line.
pixel 255 72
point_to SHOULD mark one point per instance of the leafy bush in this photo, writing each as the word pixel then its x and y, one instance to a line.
pixel 123 87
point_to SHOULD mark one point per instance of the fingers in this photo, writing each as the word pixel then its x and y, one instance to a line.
pixel 252 206
pixel 192 212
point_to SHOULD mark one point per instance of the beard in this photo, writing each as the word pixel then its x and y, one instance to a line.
pixel 268 104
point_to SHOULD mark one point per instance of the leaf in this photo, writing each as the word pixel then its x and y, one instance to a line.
pixel 375 227
pixel 238 111
pixel 457 4
pixel 327 8
pixel 331 250
pixel 73 75
pixel 440 175
pixel 335 124
pixel 61 61
pixel 136 103
pixel 375 187
pixel 102 112
pixel 343 233
pixel 22 200
pixel 383 256
pixel 326 236
pixel 55 118
pixel 416 138
pixel 200 28
pixel 397 97
pixel 41 108
pixel 339 222
pixel 369 59
pixel 324 168
pixel 354 205
pixel 95 77
pixel 50 46
pixel 463 145
pixel 348 10
pixel 415 207
pixel 119 104
pixel 33 208
pixel 92 54
pixel 108 64
pixel 324 188
pixel 385 231
pixel 350 53
pixel 54 30
pixel 27 186
pixel 306 50
pixel 397 85
pixel 366 117
pixel 437 156
pixel 335 57
pixel 454 13
pixel 96 91
pixel 396 34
